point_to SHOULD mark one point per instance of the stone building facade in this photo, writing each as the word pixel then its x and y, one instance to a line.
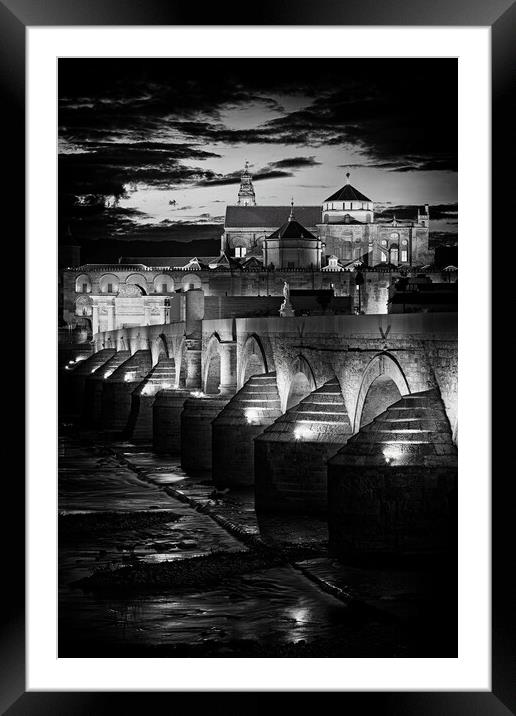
pixel 99 295
pixel 345 223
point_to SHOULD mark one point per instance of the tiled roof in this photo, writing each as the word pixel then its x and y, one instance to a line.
pixel 292 230
pixel 269 216
pixel 347 193
pixel 163 261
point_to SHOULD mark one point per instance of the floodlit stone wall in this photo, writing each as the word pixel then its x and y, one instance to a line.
pixel 393 487
pixel 118 387
pixel 248 413
pixel 291 454
pixel 94 387
pixel 196 432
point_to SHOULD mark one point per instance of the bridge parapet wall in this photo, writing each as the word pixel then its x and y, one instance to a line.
pixel 418 351
pixel 135 338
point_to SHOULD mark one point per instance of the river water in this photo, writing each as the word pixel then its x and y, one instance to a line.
pixel 276 611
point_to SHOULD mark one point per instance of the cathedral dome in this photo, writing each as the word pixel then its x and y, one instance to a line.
pixel 292 246
pixel 348 193
pixel 348 205
pixel 292 229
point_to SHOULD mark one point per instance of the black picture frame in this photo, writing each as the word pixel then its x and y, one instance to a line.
pixel 500 15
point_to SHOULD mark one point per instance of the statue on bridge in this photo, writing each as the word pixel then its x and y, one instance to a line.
pixel 286 309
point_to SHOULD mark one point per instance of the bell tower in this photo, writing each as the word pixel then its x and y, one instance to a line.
pixel 246 192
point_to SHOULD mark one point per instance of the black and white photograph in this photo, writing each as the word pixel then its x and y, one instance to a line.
pixel 257 356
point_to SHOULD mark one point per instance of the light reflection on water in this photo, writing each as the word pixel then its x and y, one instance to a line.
pixel 275 604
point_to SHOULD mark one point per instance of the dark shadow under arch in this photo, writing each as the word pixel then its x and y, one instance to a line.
pixel 386 367
pixel 254 360
pixel 302 382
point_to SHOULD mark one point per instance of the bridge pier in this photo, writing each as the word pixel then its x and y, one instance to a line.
pixel 253 408
pixel 166 420
pixel 77 379
pixel 228 381
pixel 94 386
pixel 193 358
pixel 196 431
pixel 118 387
pixel 290 456
pixel 393 487
pixel 163 375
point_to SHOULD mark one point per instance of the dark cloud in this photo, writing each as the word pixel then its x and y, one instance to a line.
pixel 125 122
pixel 106 167
pixel 295 163
pixel 273 170
pixel 400 113
pixel 213 179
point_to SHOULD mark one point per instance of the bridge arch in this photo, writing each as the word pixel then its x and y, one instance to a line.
pixel 159 349
pixel 301 383
pixel 212 368
pixel 180 362
pixel 253 360
pixel 383 383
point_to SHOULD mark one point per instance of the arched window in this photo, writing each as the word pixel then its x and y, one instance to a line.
pixel 394 255
pixel 190 281
pixel 395 236
pixel 83 284
pixel 163 283
pixel 108 283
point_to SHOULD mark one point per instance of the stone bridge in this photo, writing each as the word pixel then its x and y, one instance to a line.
pixel 280 402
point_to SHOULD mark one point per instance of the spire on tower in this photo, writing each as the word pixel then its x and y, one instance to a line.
pixel 246 195
pixel 291 217
pixel 347 177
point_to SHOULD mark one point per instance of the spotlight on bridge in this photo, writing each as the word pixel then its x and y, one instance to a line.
pixel 197 394
pixel 252 415
pixel 391 453
pixel 107 373
pixel 302 432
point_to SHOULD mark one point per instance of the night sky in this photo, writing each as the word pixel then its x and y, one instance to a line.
pixel 138 134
